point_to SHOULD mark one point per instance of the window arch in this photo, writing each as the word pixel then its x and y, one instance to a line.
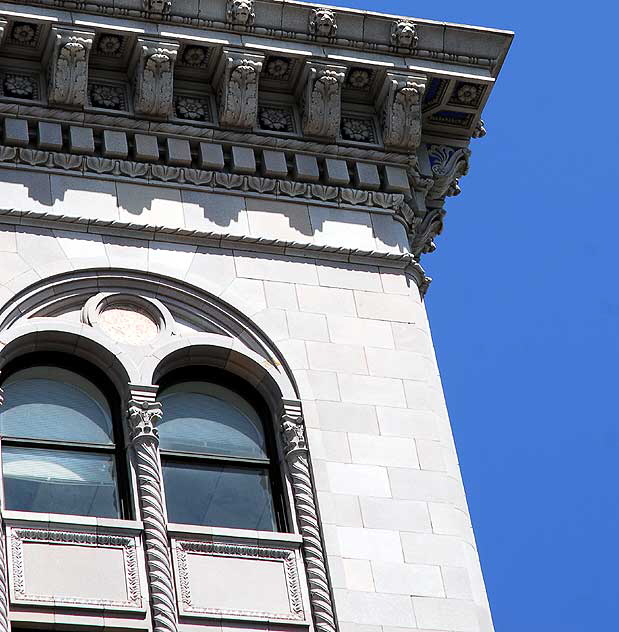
pixel 219 461
pixel 62 445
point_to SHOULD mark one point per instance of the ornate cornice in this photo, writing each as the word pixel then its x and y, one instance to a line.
pixel 422 39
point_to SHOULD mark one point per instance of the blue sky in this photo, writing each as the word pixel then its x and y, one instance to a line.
pixel 524 311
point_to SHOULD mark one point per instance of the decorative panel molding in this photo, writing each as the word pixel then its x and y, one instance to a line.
pixel 238 580
pixel 74 569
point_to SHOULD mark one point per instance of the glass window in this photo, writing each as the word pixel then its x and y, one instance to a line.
pixel 58 453
pixel 216 468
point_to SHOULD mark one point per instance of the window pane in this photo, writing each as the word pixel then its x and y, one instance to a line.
pixel 219 496
pixel 59 481
pixel 208 419
pixel 54 404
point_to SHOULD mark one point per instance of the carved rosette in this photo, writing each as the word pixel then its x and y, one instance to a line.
pixel 238 89
pixel 402 111
pixel 5 624
pixel 323 100
pixel 297 458
pixel 154 78
pixel 143 415
pixel 68 67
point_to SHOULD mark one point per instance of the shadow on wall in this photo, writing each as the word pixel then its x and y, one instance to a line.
pixel 90 198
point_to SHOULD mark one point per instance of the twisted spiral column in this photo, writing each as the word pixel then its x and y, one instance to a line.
pixel 5 624
pixel 297 458
pixel 143 417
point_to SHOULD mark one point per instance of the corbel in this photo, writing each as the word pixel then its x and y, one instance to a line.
pixel 322 99
pixel 153 75
pixel 237 88
pixel 400 103
pixel 67 53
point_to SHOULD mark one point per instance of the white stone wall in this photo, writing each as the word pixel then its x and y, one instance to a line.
pixel 398 534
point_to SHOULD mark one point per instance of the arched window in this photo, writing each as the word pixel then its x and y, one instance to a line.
pixel 58 430
pixel 218 468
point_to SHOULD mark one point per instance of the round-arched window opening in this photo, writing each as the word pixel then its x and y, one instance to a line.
pixel 219 467
pixel 59 433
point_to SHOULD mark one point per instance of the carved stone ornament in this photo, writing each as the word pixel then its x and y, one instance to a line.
pixel 402 111
pixel 404 34
pixel 157 6
pixel 428 228
pixel 68 67
pixel 480 129
pixel 154 78
pixel 240 12
pixel 448 165
pixel 323 100
pixel 322 23
pixel 238 89
pixel 304 492
pixel 143 415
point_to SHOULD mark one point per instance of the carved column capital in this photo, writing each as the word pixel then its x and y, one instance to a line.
pixel 238 88
pixel 143 418
pixel 401 97
pixel 293 429
pixel 67 70
pixel 154 77
pixel 322 107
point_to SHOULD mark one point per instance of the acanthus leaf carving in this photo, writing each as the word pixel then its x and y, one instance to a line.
pixel 198 176
pixel 293 189
pixel 261 185
pixel 304 492
pixel 67 161
pixel 100 165
pixel 403 95
pixel 133 169
pixel 323 100
pixel 448 165
pixel 33 156
pixel 7 153
pixel 238 89
pixel 354 196
pixel 154 78
pixel 165 173
pixel 229 180
pixel 429 227
pixel 68 67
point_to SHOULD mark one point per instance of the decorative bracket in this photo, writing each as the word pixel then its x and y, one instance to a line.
pixel 305 504
pixel 68 66
pixel 154 77
pixel 448 165
pixel 323 99
pixel 401 98
pixel 238 88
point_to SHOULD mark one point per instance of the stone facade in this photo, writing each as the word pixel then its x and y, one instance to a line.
pixel 250 185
